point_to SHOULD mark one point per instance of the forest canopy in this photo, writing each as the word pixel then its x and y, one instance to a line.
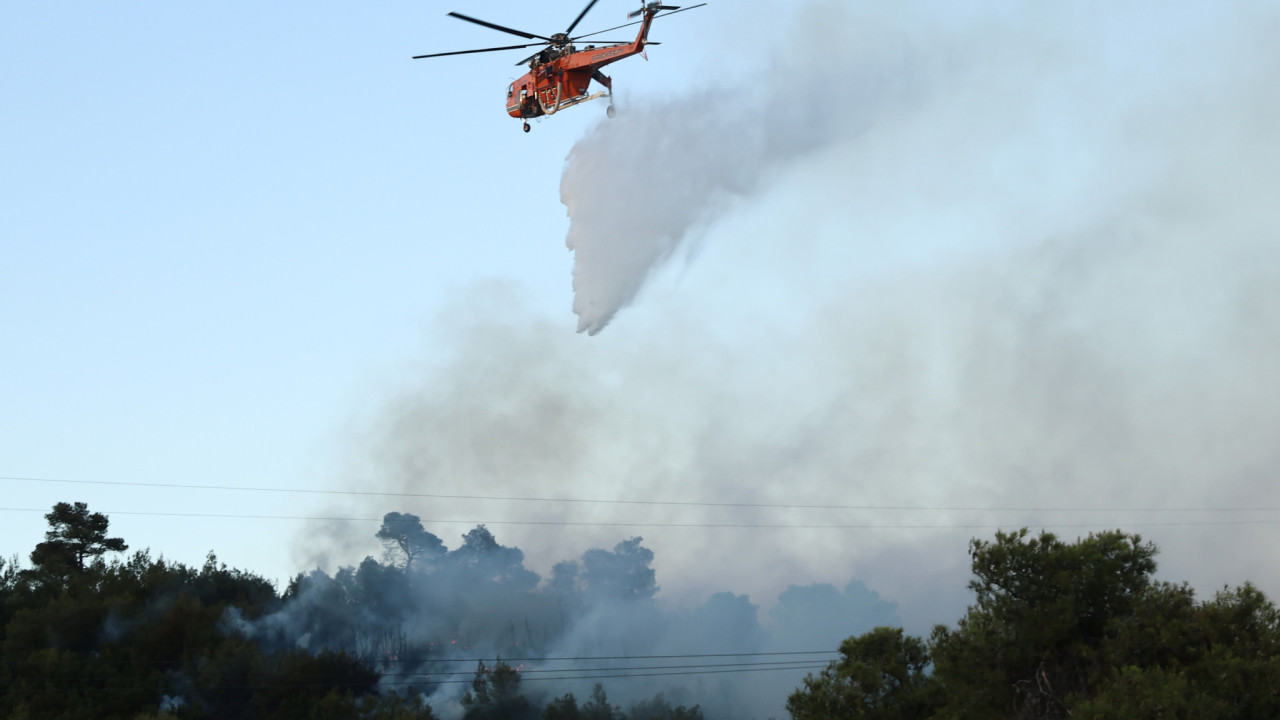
pixel 1061 629
pixel 1057 629
pixel 87 636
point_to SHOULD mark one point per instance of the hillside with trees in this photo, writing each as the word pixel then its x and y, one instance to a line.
pixel 138 638
pixel 1056 630
pixel 146 638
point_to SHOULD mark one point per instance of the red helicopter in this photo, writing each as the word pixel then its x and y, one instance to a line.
pixel 560 74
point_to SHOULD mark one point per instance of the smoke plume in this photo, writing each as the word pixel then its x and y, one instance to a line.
pixel 425 624
pixel 1017 265
pixel 1045 277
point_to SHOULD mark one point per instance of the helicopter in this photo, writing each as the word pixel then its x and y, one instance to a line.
pixel 560 74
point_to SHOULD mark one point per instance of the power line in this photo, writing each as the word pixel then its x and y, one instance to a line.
pixel 648 524
pixel 623 671
pixel 426 681
pixel 774 664
pixel 676 656
pixel 675 503
pixel 379 660
pixel 811 666
pixel 427 677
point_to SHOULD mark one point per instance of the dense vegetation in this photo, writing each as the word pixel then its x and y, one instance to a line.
pixel 140 637
pixel 1059 630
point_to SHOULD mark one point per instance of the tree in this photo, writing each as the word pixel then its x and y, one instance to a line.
pixel 598 707
pixel 495 695
pixel 485 560
pixel 881 676
pixel 659 708
pixel 405 539
pixel 1179 659
pixel 623 574
pixel 1035 633
pixel 566 707
pixel 74 535
pixel 1066 629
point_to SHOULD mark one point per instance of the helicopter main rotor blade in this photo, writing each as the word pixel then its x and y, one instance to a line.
pixel 481 50
pixel 637 22
pixel 601 32
pixel 581 15
pixel 499 28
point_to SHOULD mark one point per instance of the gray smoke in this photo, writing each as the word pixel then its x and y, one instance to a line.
pixel 1036 283
pixel 595 619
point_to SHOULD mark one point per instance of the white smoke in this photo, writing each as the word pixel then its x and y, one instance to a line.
pixel 566 632
pixel 1042 270
pixel 1038 268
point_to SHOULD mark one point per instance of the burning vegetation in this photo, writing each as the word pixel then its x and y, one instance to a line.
pixel 1058 629
pixel 427 631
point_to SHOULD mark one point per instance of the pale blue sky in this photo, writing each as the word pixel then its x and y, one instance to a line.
pixel 223 223
pixel 233 235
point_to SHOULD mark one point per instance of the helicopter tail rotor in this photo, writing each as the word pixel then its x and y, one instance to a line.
pixel 653 5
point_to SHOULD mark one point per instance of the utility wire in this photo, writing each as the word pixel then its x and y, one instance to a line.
pixel 418 683
pixel 811 666
pixel 626 671
pixel 382 660
pixel 775 665
pixel 583 673
pixel 675 503
pixel 677 656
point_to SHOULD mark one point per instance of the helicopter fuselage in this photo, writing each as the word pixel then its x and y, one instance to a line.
pixel 560 74
pixel 561 77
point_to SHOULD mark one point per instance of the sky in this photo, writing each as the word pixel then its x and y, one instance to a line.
pixel 839 288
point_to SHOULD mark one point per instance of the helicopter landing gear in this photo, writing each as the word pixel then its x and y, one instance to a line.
pixel 607 82
pixel 526 127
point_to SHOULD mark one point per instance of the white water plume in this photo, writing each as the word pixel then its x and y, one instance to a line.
pixel 641 185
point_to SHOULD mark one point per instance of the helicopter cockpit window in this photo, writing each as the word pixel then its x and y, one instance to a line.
pixel 511 89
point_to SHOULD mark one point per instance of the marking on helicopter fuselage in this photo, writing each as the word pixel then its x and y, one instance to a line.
pixel 610 53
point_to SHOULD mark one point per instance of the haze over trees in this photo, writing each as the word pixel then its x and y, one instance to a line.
pixel 1057 629
pixel 83 636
